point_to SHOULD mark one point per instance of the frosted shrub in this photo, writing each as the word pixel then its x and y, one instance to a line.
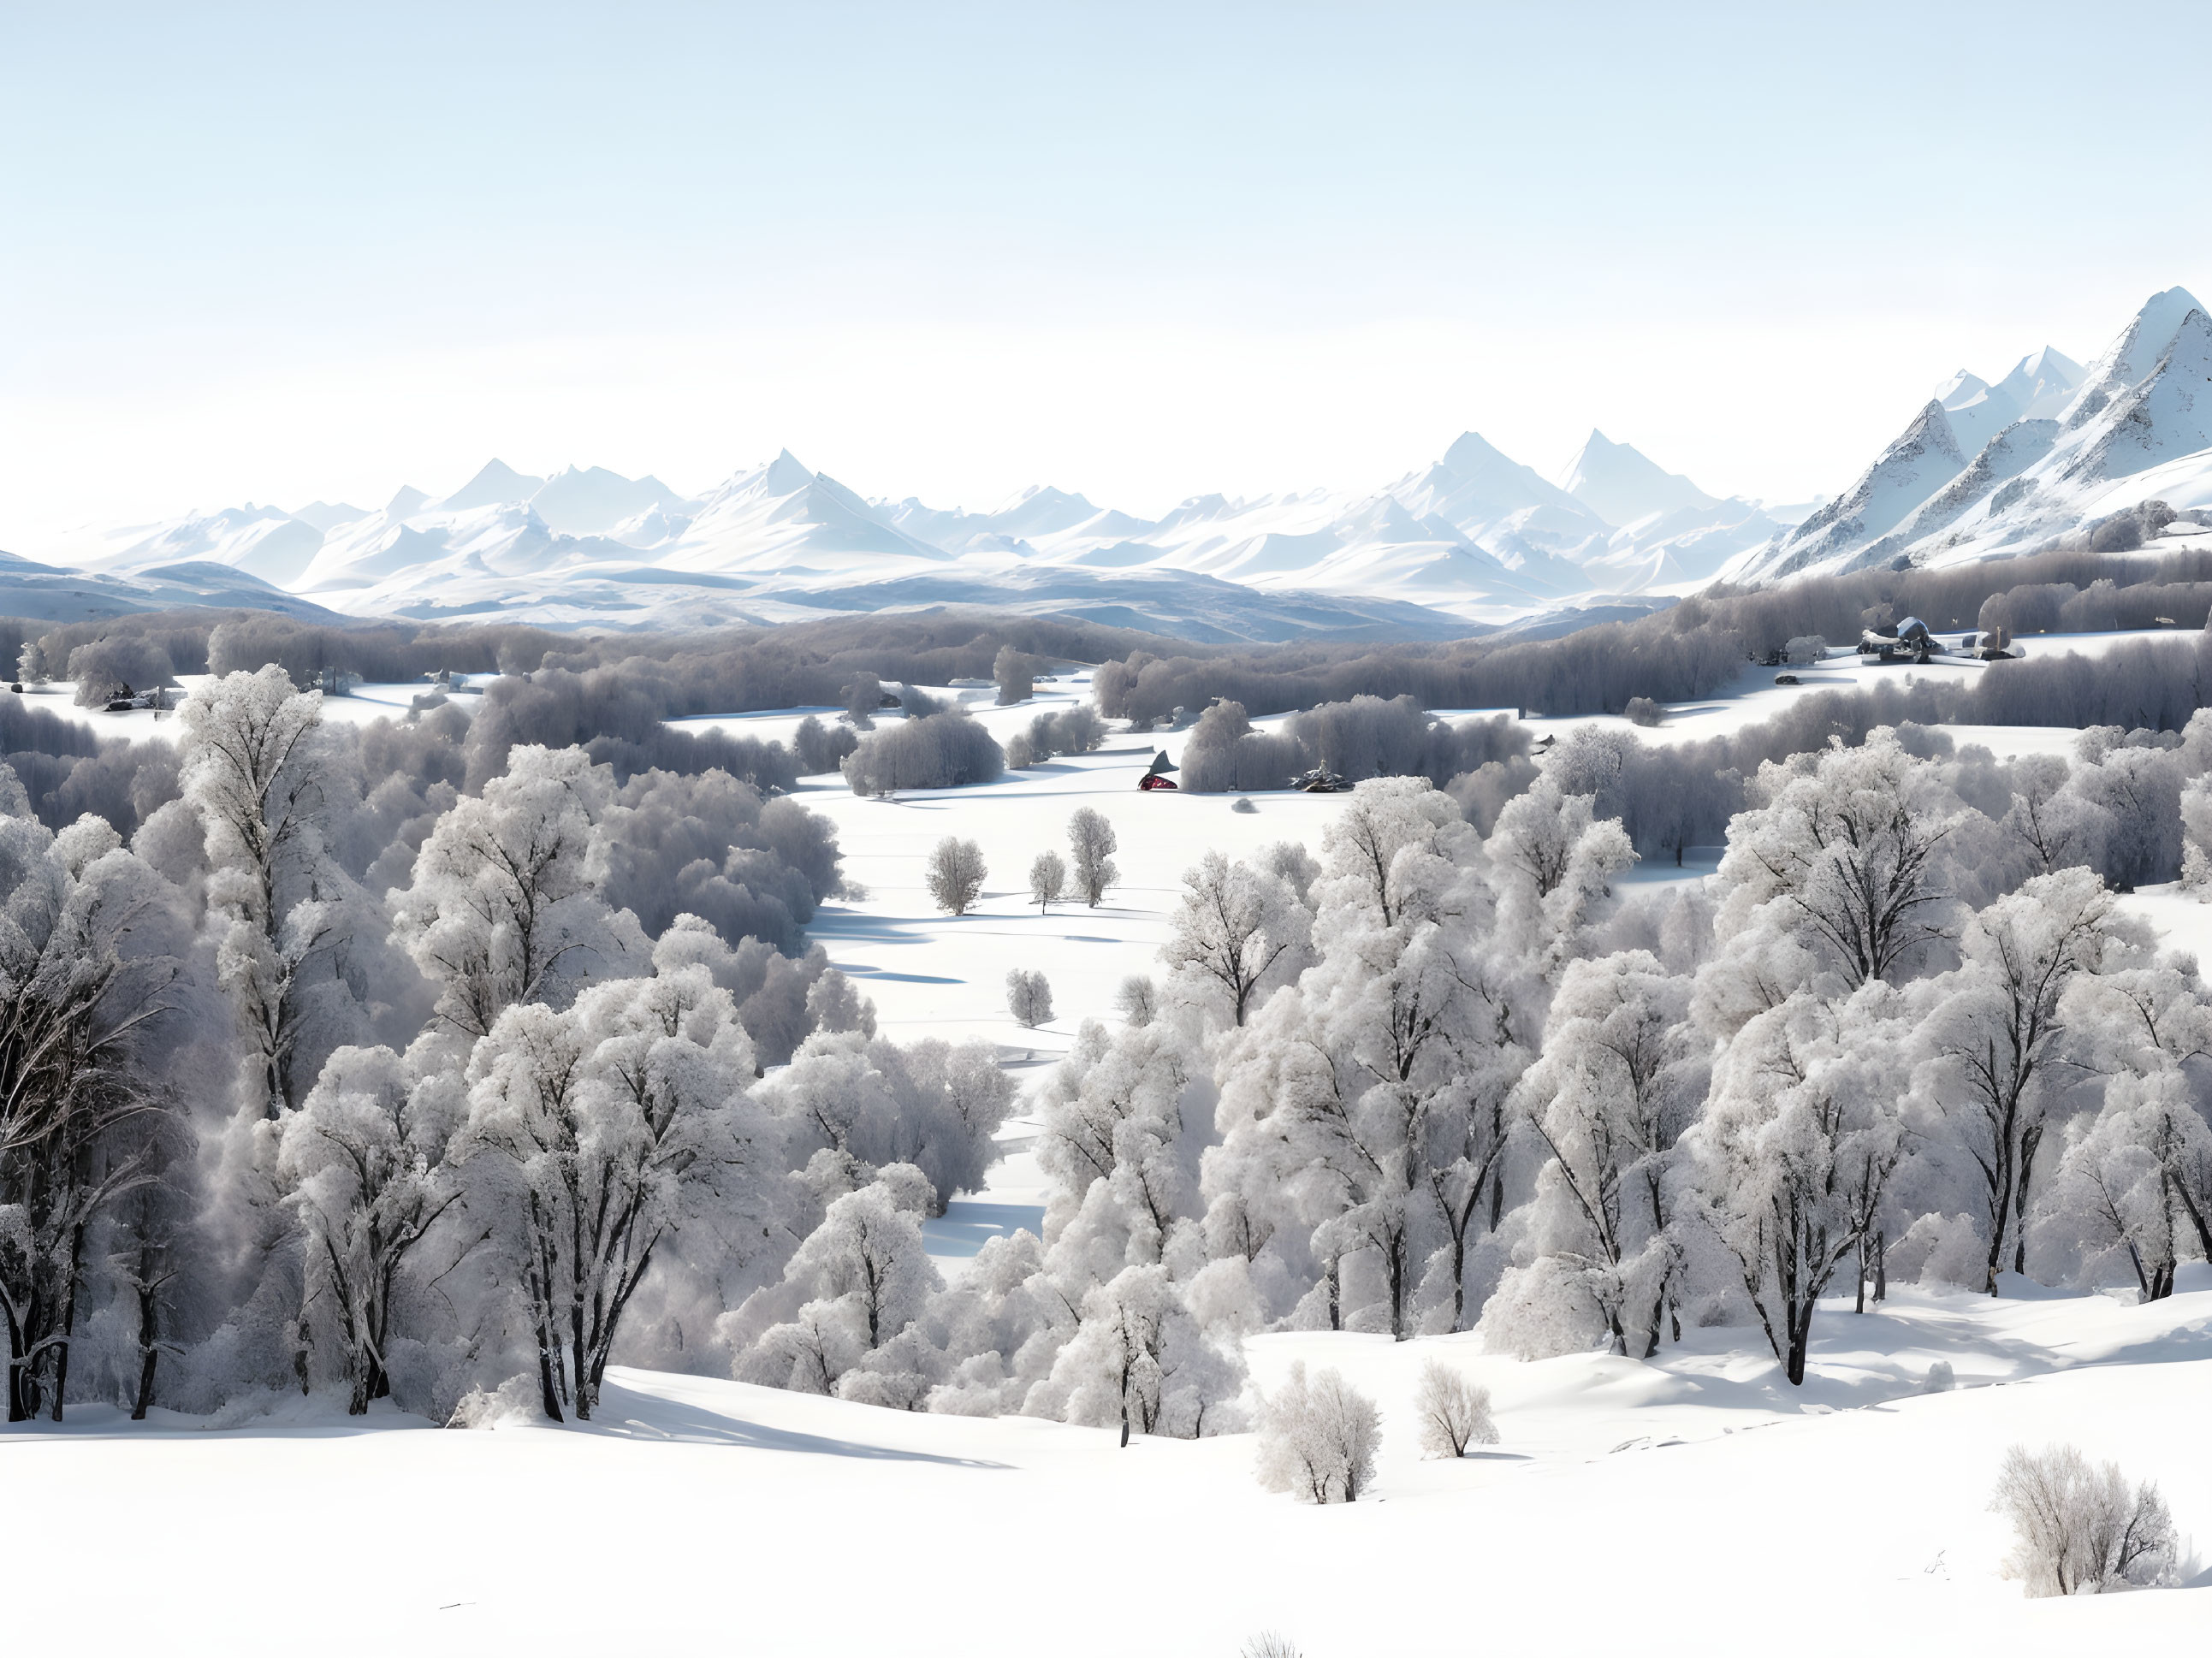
pixel 1048 879
pixel 1941 1378
pixel 1268 1645
pixel 2080 1530
pixel 1642 711
pixel 1138 999
pixel 1318 1439
pixel 1454 1412
pixel 1805 650
pixel 955 875
pixel 1029 998
pixel 1091 843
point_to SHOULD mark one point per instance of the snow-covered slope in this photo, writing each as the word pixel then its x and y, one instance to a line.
pixel 2049 450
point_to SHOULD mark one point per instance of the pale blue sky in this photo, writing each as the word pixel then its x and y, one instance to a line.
pixel 1139 252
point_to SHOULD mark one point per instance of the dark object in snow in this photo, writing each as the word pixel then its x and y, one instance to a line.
pixel 1154 780
pixel 1161 765
pixel 1245 806
pixel 1320 781
pixel 1787 680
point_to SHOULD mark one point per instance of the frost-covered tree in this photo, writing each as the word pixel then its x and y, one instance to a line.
pixel 1622 1077
pixel 363 1164
pixel 1048 879
pixel 1554 860
pixel 1029 998
pixel 1013 670
pixel 1453 1412
pixel 1993 1027
pixel 1318 1439
pixel 609 1128
pixel 1118 1145
pixel 1797 1146
pixel 2137 1178
pixel 867 1102
pixel 251 769
pixel 80 1121
pixel 1091 844
pixel 504 909
pixel 2082 1530
pixel 868 1254
pixel 1237 932
pixel 2050 826
pixel 1138 1359
pixel 863 697
pixel 1138 1000
pixel 955 875
pixel 1846 854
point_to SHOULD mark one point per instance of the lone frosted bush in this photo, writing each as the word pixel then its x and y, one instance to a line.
pixel 1642 711
pixel 1029 998
pixel 1091 843
pixel 1454 1412
pixel 1048 880
pixel 2080 1530
pixel 955 875
pixel 1806 650
pixel 1318 1439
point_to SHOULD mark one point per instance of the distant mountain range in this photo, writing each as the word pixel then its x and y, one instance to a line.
pixel 1473 539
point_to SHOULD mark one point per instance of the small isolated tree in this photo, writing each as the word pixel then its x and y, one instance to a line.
pixel 1268 1645
pixel 1091 842
pixel 1318 1439
pixel 2079 1530
pixel 1014 670
pixel 955 874
pixel 1454 1412
pixel 1138 999
pixel 862 698
pixel 1048 879
pixel 1029 998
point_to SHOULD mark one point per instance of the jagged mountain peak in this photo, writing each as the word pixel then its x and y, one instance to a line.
pixel 1621 485
pixel 495 482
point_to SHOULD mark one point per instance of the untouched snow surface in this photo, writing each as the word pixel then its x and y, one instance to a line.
pixel 1693 1505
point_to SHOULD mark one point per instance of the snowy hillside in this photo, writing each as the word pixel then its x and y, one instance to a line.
pixel 2050 450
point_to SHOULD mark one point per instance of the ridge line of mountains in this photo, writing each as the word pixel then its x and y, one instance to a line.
pixel 1475 539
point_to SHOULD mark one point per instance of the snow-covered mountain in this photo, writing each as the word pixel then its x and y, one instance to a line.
pixel 1474 533
pixel 1622 487
pixel 2050 450
pixel 1985 467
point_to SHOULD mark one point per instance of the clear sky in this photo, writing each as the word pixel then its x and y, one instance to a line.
pixel 1144 252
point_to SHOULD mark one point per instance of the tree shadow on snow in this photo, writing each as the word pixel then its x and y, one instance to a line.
pixel 625 1413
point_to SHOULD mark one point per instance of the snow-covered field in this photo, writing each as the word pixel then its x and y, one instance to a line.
pixel 1685 1506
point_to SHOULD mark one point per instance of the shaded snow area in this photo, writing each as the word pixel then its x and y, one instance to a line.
pixel 1692 1505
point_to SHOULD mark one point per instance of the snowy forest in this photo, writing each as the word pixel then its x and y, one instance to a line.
pixel 450 1058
